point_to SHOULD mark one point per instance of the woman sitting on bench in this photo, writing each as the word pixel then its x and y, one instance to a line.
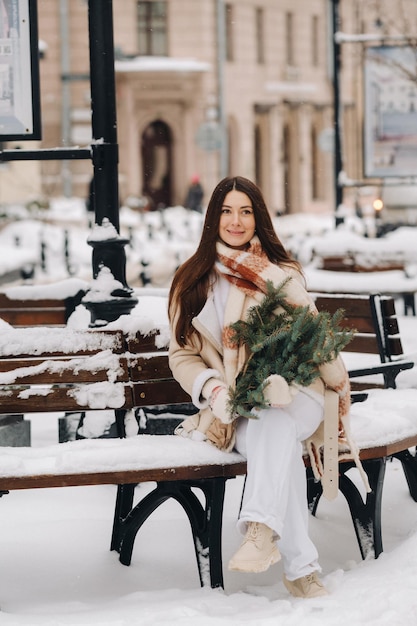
pixel 239 254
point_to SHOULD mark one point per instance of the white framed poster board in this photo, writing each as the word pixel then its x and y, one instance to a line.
pixel 390 122
pixel 19 71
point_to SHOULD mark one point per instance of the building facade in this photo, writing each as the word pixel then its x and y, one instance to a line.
pixel 208 88
pixel 242 71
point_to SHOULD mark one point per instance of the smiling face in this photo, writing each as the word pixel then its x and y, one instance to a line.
pixel 237 220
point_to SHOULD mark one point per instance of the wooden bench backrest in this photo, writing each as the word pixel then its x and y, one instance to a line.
pixel 61 378
pixel 140 365
pixel 354 262
pixel 44 312
pixel 374 319
pixel 150 371
pixel 41 380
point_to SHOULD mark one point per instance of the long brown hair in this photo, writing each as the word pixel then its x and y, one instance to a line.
pixel 191 282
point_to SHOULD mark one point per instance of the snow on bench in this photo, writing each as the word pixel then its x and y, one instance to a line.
pixel 139 453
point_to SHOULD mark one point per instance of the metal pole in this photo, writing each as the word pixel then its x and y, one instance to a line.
pixel 103 108
pixel 221 58
pixel 107 251
pixel 66 95
pixel 338 189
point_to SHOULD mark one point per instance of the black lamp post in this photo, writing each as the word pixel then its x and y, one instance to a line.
pixel 336 47
pixel 108 251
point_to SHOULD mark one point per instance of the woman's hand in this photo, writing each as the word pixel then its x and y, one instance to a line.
pixel 218 402
pixel 277 392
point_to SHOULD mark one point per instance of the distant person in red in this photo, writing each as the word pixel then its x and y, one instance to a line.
pixel 195 195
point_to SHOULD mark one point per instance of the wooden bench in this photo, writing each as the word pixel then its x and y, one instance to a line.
pixel 99 369
pixel 392 282
pixel 38 312
pixel 356 262
pixel 32 305
pixel 53 369
pixel 375 320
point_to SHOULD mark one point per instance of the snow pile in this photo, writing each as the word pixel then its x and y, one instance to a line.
pixel 102 455
pixel 386 416
pixel 387 282
pixel 149 316
pixel 38 340
pixel 59 290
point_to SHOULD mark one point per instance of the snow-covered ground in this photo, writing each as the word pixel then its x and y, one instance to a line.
pixel 56 568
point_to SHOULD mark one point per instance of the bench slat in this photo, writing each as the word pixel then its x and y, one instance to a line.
pixel 71 370
pixel 354 306
pixel 190 472
pixel 159 392
pixel 143 343
pixel 78 343
pixel 388 449
pixel 57 399
pixel 194 472
pixel 395 346
pixel 38 312
pixel 363 343
pixel 147 369
pixel 35 317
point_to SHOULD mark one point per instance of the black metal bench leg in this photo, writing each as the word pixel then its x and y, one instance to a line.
pixel 409 303
pixel 119 416
pixel 314 491
pixel 124 502
pixel 409 463
pixel 131 524
pixel 206 523
pixel 125 493
pixel 366 516
pixel 211 533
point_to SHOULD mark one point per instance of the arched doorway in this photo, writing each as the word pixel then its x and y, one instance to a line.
pixel 156 164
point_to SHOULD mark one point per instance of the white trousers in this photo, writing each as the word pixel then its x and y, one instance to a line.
pixel 276 488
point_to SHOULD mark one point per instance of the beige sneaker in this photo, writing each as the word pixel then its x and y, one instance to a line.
pixel 257 552
pixel 309 586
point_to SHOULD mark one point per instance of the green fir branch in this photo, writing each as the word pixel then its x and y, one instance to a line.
pixel 283 339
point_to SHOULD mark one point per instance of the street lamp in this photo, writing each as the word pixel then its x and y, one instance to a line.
pixel 336 58
pixel 108 250
pixel 378 205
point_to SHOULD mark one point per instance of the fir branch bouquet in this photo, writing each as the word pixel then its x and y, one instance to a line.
pixel 293 343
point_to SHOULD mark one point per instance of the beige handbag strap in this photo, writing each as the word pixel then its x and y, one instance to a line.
pixel 330 480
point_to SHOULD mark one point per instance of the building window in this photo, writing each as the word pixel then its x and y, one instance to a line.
pixel 152 28
pixel 315 41
pixel 289 38
pixel 229 32
pixel 260 35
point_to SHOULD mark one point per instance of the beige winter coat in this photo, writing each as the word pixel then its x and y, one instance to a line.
pixel 203 359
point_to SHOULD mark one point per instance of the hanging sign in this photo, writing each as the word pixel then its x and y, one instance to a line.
pixel 209 136
pixel 390 125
